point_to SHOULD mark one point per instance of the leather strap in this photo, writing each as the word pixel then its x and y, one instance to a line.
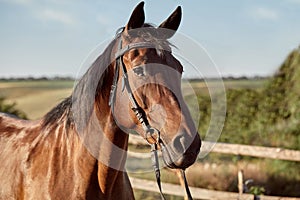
pixel 139 112
pixel 155 164
pixel 186 185
pixel 147 45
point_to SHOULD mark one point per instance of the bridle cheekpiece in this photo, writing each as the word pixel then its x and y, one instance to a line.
pixel 152 135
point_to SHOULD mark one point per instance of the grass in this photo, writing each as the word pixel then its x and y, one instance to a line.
pixel 35 98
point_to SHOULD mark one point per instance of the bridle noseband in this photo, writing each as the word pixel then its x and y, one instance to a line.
pixel 152 135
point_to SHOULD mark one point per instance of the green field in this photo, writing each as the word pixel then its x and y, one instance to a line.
pixel 35 98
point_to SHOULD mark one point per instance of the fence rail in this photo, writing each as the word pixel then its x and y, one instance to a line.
pixel 198 193
pixel 257 151
pixel 235 149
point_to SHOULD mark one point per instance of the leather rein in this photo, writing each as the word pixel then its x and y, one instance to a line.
pixel 151 133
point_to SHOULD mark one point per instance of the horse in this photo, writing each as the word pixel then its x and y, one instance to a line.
pixel 78 149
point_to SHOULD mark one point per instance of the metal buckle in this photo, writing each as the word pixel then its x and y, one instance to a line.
pixel 152 136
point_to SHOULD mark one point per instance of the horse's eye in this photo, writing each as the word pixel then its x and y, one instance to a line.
pixel 135 53
pixel 139 71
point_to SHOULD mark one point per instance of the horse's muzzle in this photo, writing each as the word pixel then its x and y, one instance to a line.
pixel 182 152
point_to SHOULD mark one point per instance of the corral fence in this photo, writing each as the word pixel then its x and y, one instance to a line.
pixel 234 149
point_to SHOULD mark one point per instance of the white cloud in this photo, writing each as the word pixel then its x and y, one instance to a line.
pixel 58 16
pixel 265 13
pixel 46 14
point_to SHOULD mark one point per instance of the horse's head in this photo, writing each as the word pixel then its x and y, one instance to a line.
pixel 154 77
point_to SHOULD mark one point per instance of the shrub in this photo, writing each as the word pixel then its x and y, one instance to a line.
pixel 10 108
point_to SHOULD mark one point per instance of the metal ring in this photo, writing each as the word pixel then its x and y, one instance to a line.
pixel 154 134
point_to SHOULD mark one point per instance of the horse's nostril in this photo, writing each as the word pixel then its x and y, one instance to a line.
pixel 184 143
pixel 178 145
pixel 182 151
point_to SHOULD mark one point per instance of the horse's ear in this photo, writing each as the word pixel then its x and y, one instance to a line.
pixel 172 23
pixel 137 17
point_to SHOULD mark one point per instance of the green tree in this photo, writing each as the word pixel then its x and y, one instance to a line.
pixel 10 108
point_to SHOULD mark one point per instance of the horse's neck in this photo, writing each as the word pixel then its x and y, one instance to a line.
pixel 107 143
pixel 104 170
pixel 113 149
pixel 111 165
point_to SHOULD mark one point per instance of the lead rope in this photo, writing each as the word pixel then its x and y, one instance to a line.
pixel 186 185
pixel 155 164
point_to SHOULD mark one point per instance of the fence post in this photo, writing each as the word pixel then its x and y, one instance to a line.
pixel 240 183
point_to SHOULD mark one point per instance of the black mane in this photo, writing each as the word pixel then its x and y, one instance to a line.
pixel 83 94
pixel 62 109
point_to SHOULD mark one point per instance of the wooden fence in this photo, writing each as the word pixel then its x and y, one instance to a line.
pixel 235 149
pixel 198 193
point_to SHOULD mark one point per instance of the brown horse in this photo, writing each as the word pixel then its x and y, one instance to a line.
pixel 78 149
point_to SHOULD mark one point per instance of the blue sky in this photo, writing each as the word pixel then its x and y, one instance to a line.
pixel 53 37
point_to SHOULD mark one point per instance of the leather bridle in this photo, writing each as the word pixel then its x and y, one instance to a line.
pixel 151 133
